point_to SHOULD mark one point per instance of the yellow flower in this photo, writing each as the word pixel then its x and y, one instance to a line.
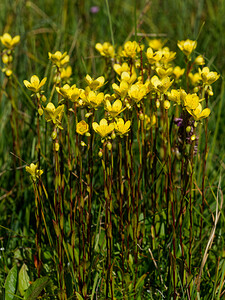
pixel 95 84
pixel 34 85
pixel 198 113
pixel 137 92
pixel 187 46
pixel 119 69
pixel 178 72
pixel 125 76
pixel 8 41
pixel 82 127
pixel 103 128
pixel 195 78
pixel 207 76
pixel 59 59
pixel 156 44
pixel 114 109
pixel 105 49
pixel 54 114
pixel 93 99
pixel 122 89
pixel 161 85
pixel 191 101
pixel 121 127
pixel 167 55
pixel 66 73
pixel 153 57
pixel 199 60
pixel 72 93
pixel 164 72
pixel 130 49
pixel 177 96
pixel 34 171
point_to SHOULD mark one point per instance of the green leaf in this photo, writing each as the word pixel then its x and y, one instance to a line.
pixel 10 283
pixel 23 280
pixel 36 288
pixel 140 282
pixel 79 297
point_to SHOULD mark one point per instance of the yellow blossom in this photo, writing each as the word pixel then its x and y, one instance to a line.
pixel 187 46
pixel 125 76
pixel 95 84
pixel 195 78
pixel 92 99
pixel 105 49
pixel 115 108
pixel 34 85
pixel 161 85
pixel 103 128
pixel 66 73
pixel 82 127
pixel 177 96
pixel 167 55
pixel 130 49
pixel 207 76
pixel 199 60
pixel 156 44
pixel 122 89
pixel 191 101
pixel 8 41
pixel 72 93
pixel 137 92
pixel 178 72
pixel 54 114
pixel 34 171
pixel 121 127
pixel 162 72
pixel 198 113
pixel 121 68
pixel 153 57
pixel 59 59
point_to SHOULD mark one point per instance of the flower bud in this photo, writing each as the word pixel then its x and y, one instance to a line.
pixel 56 146
pixel 40 111
pixel 8 72
pixel 141 116
pixel 54 135
pixel 109 146
pixel 5 59
pixel 10 58
pixel 83 143
pixel 157 103
pixel 100 153
pixel 193 137
pixel 113 135
pixel 166 104
pixel 196 89
pixel 43 98
pixel 188 129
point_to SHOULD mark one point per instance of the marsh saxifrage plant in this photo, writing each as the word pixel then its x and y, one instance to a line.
pixel 126 144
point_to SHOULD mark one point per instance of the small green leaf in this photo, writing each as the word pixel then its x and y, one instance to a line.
pixel 23 280
pixel 79 297
pixel 10 283
pixel 140 281
pixel 36 288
